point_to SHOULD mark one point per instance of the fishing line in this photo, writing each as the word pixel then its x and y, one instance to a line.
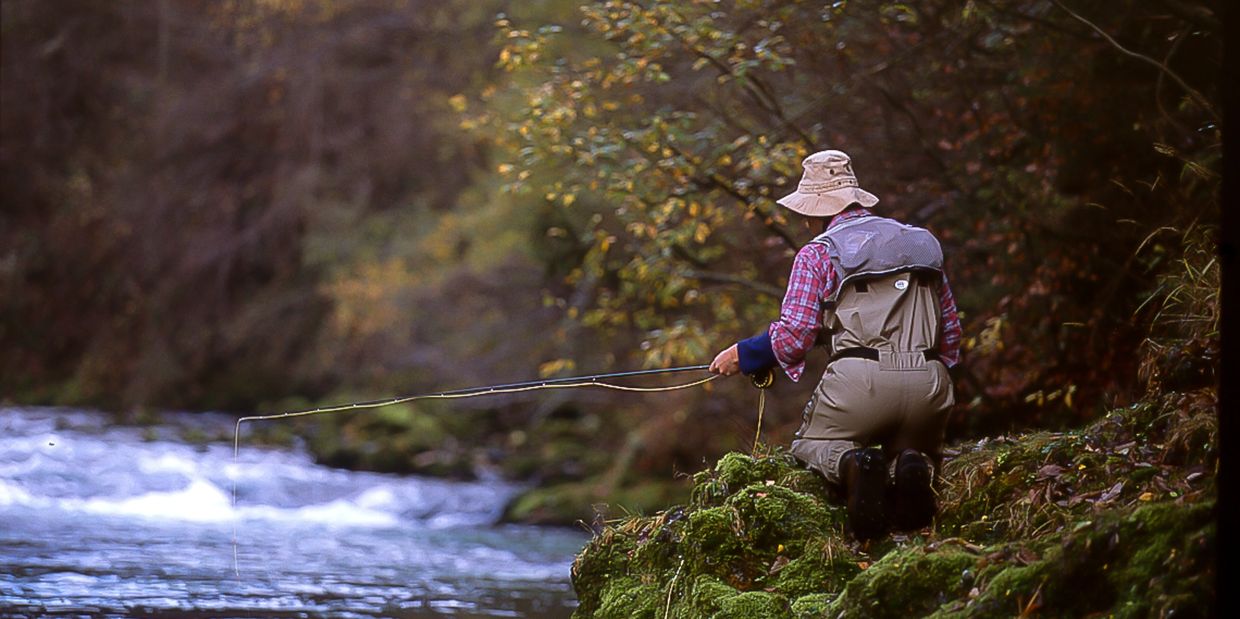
pixel 573 382
pixel 758 432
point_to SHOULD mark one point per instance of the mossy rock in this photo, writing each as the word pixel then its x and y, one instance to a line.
pixel 572 502
pixel 735 471
pixel 812 605
pixel 737 546
pixel 754 605
pixel 707 597
pixel 559 504
pixel 628 598
pixel 823 568
pixel 1113 519
pixel 906 583
pixel 1154 561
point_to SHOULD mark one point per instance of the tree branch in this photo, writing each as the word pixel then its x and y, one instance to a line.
pixel 1192 92
pixel 727 278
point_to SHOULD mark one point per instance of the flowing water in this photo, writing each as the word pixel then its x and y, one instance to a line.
pixel 99 520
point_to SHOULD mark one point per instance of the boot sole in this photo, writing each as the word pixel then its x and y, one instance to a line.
pixel 915 500
pixel 866 510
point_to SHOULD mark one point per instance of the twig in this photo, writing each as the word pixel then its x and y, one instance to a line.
pixel 671 588
pixel 727 278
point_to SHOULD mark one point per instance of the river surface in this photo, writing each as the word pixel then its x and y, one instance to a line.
pixel 101 520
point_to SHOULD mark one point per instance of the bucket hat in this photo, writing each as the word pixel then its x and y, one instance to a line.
pixel 827 186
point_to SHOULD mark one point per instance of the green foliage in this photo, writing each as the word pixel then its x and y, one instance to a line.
pixel 657 157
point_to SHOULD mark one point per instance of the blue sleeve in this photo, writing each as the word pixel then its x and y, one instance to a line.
pixel 756 354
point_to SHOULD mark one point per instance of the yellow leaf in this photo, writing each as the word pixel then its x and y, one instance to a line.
pixel 701 233
pixel 556 366
pixel 1146 496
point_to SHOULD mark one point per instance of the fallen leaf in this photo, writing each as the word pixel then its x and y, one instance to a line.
pixel 1026 556
pixel 865 565
pixel 1050 471
pixel 1113 492
pixel 1146 496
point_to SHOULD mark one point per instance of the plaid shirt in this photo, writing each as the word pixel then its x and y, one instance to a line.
pixel 813 280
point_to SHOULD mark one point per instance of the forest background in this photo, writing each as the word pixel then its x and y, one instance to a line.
pixel 263 205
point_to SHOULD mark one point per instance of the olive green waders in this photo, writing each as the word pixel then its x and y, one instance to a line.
pixel 884 383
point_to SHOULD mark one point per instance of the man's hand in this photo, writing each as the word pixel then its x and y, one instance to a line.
pixel 727 362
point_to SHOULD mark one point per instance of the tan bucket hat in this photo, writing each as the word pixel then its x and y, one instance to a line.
pixel 827 187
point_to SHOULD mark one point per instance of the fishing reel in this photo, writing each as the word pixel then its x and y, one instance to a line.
pixel 763 379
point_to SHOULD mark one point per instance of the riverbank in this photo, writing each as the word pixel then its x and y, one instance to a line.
pixel 1113 518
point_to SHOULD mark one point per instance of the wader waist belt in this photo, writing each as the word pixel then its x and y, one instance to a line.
pixel 861 352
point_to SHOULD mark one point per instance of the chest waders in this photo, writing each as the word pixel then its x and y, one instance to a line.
pixel 883 324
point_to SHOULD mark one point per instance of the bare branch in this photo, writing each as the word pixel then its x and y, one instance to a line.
pixel 1192 92
pixel 728 278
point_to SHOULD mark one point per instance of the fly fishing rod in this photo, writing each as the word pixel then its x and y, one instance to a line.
pixel 592 380
pixel 761 380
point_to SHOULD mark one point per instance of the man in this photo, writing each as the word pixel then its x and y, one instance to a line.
pixel 878 291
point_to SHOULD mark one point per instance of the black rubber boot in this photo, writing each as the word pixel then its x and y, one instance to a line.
pixel 912 501
pixel 865 481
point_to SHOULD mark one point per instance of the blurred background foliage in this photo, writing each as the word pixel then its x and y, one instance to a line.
pixel 255 205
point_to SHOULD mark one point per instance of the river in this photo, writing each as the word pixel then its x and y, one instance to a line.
pixel 104 520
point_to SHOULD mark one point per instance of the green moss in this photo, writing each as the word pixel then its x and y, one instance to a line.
pixel 628 598
pixel 1154 561
pixel 754 605
pixel 601 566
pixel 776 515
pixel 811 606
pixel 816 571
pixel 906 583
pixel 735 471
pixel 715 544
pixel 1028 523
pixel 707 597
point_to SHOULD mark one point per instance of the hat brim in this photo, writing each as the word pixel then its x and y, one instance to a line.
pixel 827 203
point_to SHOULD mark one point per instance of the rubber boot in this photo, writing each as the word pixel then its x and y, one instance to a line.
pixel 911 499
pixel 864 473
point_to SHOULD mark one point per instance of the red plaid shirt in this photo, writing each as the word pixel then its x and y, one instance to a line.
pixel 813 280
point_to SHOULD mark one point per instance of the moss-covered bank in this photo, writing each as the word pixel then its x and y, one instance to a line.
pixel 1115 519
